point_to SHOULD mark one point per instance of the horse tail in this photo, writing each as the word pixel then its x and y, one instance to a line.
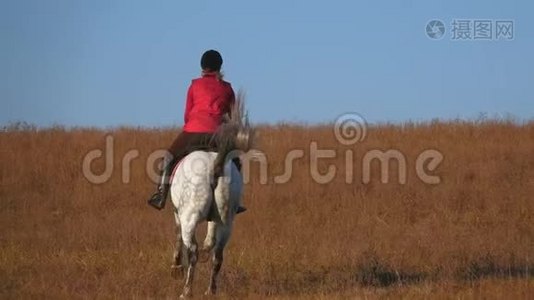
pixel 244 133
pixel 235 135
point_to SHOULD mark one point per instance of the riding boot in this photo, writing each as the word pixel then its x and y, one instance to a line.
pixel 159 198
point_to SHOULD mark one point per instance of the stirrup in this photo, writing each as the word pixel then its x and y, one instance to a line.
pixel 157 200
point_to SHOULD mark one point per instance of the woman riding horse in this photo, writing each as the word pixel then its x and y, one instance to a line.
pixel 209 99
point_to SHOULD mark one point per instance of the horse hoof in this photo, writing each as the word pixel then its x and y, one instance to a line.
pixel 177 271
pixel 209 292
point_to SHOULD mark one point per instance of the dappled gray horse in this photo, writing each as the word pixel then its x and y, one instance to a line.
pixel 200 195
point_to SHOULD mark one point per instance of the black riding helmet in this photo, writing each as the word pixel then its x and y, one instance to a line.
pixel 211 60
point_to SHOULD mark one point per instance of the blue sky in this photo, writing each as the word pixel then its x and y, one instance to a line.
pixel 110 63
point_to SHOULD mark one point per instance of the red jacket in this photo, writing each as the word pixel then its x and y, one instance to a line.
pixel 208 99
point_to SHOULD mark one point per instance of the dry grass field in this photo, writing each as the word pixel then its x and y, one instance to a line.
pixel 470 236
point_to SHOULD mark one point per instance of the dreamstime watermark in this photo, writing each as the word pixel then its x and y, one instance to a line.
pixel 472 30
pixel 349 130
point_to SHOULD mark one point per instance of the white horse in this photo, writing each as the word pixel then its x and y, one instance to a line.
pixel 198 197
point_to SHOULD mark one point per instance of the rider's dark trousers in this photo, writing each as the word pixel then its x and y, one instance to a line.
pixel 186 142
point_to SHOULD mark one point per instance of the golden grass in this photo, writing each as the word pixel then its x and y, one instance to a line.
pixel 470 236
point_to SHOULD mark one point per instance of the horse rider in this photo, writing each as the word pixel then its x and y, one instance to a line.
pixel 209 98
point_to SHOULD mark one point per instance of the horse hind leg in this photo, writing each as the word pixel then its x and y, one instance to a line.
pixel 223 235
pixel 177 267
pixel 209 242
pixel 191 249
